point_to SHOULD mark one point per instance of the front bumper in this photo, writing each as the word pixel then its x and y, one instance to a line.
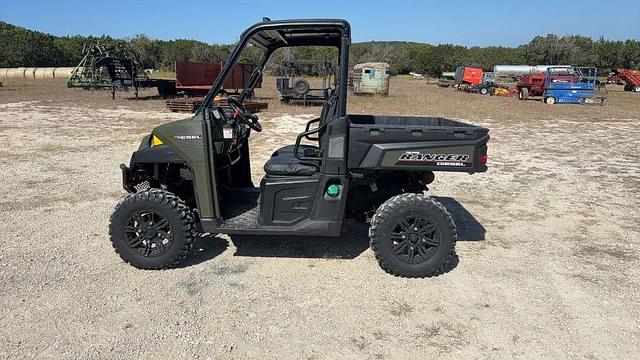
pixel 126 178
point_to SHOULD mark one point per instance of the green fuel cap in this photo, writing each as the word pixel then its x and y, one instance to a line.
pixel 333 190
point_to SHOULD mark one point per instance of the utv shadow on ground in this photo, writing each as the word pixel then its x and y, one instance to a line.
pixel 468 227
pixel 347 246
pixel 205 248
pixel 350 244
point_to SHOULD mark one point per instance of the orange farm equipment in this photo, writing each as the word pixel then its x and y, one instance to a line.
pixel 469 75
pixel 631 79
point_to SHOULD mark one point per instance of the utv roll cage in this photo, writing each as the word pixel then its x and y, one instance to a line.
pixel 272 35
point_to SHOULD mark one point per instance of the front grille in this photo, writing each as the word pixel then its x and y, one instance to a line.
pixel 142 186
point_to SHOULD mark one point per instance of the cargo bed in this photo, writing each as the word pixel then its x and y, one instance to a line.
pixel 380 142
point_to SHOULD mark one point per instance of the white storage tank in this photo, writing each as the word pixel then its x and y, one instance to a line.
pixel 517 70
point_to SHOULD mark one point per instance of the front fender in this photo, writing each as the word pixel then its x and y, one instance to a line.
pixel 156 154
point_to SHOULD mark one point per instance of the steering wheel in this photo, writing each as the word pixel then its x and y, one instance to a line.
pixel 240 111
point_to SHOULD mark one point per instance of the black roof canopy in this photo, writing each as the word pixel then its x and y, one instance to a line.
pixel 270 35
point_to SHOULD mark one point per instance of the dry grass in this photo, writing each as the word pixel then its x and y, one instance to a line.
pixel 407 96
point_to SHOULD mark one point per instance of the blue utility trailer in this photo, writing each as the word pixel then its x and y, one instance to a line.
pixel 583 88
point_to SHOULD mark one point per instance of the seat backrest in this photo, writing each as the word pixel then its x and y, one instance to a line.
pixel 329 110
pixel 330 107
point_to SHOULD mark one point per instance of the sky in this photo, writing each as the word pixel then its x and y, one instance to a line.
pixel 462 22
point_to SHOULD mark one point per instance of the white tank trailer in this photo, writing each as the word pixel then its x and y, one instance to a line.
pixel 519 70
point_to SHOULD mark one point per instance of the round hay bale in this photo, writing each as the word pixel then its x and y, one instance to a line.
pixel 62 72
pixel 43 73
pixel 15 73
pixel 30 73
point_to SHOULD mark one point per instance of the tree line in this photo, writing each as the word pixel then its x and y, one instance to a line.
pixel 23 47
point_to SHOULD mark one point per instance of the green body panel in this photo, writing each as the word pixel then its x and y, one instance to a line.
pixel 186 137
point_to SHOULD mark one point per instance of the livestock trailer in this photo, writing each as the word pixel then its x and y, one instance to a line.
pixel 371 78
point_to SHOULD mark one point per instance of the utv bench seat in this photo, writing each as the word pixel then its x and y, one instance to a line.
pixel 306 150
pixel 284 163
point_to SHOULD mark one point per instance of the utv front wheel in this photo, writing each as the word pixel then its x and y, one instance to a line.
pixel 152 229
pixel 413 236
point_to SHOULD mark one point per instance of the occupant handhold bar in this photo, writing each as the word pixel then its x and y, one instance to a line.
pixel 306 134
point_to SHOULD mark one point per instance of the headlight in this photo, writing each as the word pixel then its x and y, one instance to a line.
pixel 155 141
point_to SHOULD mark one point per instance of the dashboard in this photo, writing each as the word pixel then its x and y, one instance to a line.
pixel 229 133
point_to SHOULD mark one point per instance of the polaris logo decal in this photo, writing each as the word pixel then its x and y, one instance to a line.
pixel 418 158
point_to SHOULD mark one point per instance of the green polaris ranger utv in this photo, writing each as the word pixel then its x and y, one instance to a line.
pixel 193 175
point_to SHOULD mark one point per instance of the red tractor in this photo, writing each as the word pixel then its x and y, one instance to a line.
pixel 533 85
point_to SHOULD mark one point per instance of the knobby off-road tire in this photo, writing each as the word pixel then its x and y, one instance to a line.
pixel 152 229
pixel 413 236
pixel 524 94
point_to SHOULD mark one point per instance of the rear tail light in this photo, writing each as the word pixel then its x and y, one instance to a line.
pixel 484 159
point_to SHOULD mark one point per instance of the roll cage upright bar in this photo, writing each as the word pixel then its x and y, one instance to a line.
pixel 272 35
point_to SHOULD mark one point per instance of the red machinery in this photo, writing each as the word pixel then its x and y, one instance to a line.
pixel 196 78
pixel 613 78
pixel 631 79
pixel 533 85
pixel 469 75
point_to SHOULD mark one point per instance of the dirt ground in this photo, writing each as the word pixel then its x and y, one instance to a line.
pixel 546 268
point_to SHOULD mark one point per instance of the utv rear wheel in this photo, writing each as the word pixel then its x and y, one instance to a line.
pixel 152 229
pixel 413 236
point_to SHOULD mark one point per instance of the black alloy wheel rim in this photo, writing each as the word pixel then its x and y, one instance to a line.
pixel 415 239
pixel 148 233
